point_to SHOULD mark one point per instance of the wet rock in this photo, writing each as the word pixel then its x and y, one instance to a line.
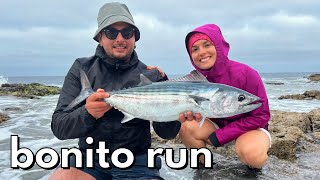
pixel 314 77
pixel 308 95
pixel 284 142
pixel 3 117
pixel 30 91
pixel 286 129
pixel 275 83
pixel 314 117
pixel 316 135
pixel 13 109
pixel 281 119
pixel 309 143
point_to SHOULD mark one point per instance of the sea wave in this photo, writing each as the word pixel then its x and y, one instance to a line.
pixel 3 80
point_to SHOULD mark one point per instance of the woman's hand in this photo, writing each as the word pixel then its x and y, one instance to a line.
pixel 189 116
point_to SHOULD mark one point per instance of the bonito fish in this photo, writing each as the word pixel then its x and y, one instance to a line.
pixel 164 101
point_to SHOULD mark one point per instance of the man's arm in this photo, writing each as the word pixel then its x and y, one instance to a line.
pixel 80 120
pixel 76 122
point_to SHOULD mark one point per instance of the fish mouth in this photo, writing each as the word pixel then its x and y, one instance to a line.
pixel 250 107
pixel 254 104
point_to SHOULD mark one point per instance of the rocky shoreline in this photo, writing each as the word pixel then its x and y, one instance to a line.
pixel 292 133
pixel 29 91
pixel 308 95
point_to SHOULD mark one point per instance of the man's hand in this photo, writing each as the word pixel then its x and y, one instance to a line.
pixel 95 104
pixel 189 117
pixel 160 70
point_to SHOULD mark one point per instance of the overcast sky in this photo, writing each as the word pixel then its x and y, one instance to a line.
pixel 44 37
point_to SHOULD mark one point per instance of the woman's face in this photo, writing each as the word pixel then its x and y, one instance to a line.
pixel 203 54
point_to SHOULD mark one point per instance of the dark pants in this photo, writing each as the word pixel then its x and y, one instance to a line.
pixel 139 170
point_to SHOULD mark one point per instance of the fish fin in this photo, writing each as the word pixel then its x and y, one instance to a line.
pixel 198 99
pixel 194 76
pixel 85 84
pixel 204 96
pixel 85 92
pixel 202 121
pixel 127 117
pixel 144 80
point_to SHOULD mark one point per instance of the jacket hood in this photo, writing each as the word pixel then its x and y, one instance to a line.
pixel 222 48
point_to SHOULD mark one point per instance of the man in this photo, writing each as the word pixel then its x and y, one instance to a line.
pixel 115 65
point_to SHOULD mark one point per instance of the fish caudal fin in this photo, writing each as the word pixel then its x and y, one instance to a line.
pixel 86 91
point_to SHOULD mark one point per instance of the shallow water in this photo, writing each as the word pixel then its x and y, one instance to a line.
pixel 32 124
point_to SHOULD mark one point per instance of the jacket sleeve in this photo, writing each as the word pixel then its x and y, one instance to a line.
pixel 167 130
pixel 76 122
pixel 255 119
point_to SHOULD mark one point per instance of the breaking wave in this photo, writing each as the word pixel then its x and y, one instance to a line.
pixel 3 80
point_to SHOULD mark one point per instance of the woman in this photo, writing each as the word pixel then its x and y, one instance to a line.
pixel 208 52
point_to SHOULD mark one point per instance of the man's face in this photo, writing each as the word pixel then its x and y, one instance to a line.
pixel 119 48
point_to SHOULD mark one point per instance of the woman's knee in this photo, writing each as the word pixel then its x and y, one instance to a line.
pixel 252 155
pixel 255 157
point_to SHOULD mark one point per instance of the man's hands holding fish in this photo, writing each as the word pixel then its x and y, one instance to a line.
pixel 95 104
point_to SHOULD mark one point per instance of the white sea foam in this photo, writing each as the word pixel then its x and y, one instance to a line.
pixel 3 80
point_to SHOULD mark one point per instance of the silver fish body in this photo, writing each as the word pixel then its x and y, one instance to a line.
pixel 164 101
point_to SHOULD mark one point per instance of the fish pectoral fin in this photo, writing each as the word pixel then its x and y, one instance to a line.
pixel 127 117
pixel 144 80
pixel 198 99
pixel 204 96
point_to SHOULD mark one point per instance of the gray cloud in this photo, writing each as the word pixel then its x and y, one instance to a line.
pixel 45 37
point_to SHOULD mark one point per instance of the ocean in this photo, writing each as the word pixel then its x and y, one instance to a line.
pixel 31 122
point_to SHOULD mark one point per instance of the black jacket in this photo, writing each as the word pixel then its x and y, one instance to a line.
pixel 108 74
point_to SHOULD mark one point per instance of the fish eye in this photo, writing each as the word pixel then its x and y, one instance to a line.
pixel 241 97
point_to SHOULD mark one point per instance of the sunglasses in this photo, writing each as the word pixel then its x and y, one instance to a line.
pixel 112 33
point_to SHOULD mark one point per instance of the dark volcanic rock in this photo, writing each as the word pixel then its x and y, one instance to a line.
pixel 314 77
pixel 28 90
pixel 3 117
pixel 13 109
pixel 275 83
pixel 308 95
